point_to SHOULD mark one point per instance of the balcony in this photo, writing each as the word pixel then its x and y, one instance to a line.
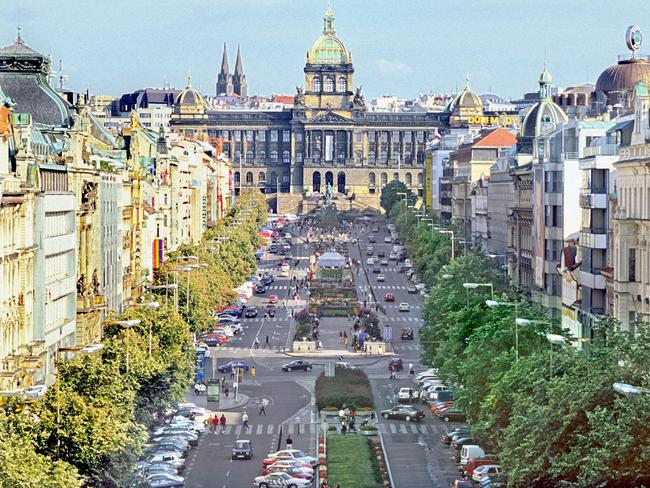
pixel 593 200
pixel 594 238
pixel 591 280
pixel 601 150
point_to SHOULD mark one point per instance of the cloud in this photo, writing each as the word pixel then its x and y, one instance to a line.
pixel 393 67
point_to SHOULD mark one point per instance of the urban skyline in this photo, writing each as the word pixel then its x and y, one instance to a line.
pixel 170 42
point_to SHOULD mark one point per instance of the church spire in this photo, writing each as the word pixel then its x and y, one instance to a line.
pixel 328 21
pixel 239 69
pixel 240 86
pixel 225 69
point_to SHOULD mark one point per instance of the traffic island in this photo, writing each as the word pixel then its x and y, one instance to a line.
pixel 353 461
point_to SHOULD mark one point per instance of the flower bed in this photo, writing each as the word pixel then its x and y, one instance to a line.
pixel 349 387
pixel 351 463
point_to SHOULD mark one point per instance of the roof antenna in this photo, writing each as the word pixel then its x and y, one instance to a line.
pixel 62 77
pixel 19 38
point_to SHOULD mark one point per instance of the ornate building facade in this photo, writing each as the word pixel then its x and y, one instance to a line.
pixel 327 138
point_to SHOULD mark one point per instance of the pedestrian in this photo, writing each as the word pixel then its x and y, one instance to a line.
pixel 222 421
pixel 209 423
pixel 253 372
pixel 256 343
pixel 289 442
pixel 215 424
pixel 265 402
pixel 266 343
pixel 411 370
pixel 244 419
pixel 223 383
pixel 232 374
pixel 392 372
pixel 340 336
pixel 227 391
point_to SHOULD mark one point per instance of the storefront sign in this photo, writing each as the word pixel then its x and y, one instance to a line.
pixel 493 120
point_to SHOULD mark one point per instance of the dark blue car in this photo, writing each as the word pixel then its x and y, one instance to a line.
pixel 231 366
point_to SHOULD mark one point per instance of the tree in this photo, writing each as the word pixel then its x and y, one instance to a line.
pixel 389 195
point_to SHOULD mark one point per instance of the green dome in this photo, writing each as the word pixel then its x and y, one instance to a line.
pixel 328 49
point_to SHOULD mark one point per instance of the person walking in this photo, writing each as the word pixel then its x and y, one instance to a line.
pixel 215 424
pixel 222 421
pixel 244 419
pixel 226 391
pixel 256 343
pixel 223 383
pixel 253 372
pixel 266 342
pixel 209 423
pixel 289 442
pixel 411 370
pixel 392 372
pixel 265 402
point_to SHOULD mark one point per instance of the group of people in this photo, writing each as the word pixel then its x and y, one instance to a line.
pixel 214 421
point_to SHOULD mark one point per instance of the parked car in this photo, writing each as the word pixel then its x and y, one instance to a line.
pixel 214 339
pixel 486 471
pixel 243 449
pixel 406 334
pixel 293 471
pixel 461 484
pixel 404 307
pixel 389 297
pixel 297 365
pixel 411 289
pixel 438 407
pixel 474 463
pixel 446 437
pixel 260 289
pixel 381 278
pixel 273 299
pixel 452 414
pixel 280 479
pixel 289 453
pixel 407 395
pixel 289 462
pixel 270 310
pixel 250 312
pixel 470 451
pixel 165 480
pixel 372 239
pixel 458 444
pixel 171 458
pixel 384 262
pixel 403 412
pixel 381 254
pixel 376 270
pixel 232 365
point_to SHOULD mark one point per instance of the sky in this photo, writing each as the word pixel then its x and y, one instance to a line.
pixel 399 47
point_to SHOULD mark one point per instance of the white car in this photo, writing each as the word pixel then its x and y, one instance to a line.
pixel 420 286
pixel 427 372
pixel 294 453
pixel 407 394
pixel 387 239
pixel 404 307
pixel 37 391
pixel 287 236
pixel 381 277
pixel 171 458
pixel 280 479
pixel 436 387
pixel 407 263
pixel 291 463
pixel 227 318
pixel 182 421
pixel 486 471
pixel 344 365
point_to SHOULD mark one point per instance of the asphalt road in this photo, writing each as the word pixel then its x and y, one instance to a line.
pixel 416 455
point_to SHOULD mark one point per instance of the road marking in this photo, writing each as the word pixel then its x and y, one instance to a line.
pixel 383 428
pixel 402 428
pixel 290 430
pixel 393 429
pixel 228 429
pixel 259 429
pixel 414 428
pixel 423 428
pixel 312 428
pixel 238 430
pixel 269 429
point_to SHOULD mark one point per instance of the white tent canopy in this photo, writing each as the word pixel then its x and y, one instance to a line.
pixel 331 260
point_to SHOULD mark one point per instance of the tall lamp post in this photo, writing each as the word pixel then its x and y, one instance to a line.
pixel 473 286
pixel 89 349
pixel 151 306
pixel 171 286
pixel 493 304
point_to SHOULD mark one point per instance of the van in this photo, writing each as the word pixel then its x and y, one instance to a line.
pixel 437 396
pixel 470 451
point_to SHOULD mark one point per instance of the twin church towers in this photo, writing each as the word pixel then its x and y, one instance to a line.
pixel 231 84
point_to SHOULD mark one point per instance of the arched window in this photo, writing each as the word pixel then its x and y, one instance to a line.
pixel 274 156
pixel 371 179
pixel 383 156
pixel 396 176
pixel 342 85
pixel 371 156
pixel 249 155
pixel 329 84
pixel 315 84
pixel 237 178
pixel 286 157
pixel 261 177
pixel 409 179
pixel 262 154
pixel 249 178
pixel 274 180
pixel 420 178
pixel 384 179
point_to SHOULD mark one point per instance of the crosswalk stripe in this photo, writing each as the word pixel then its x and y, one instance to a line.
pixel 259 429
pixel 269 429
pixel 423 428
pixel 238 430
pixel 393 428
pixel 383 428
pixel 228 429
pixel 312 428
pixel 402 428
pixel 414 428
pixel 291 428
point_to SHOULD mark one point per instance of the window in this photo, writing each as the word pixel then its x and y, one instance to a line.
pixel 343 85
pixel 262 154
pixel 420 178
pixel 371 179
pixel 261 177
pixel 315 84
pixel 383 136
pixel 395 176
pixel 286 157
pixel 383 156
pixel 299 157
pixel 299 137
pixel 57 266
pixel 407 137
pixel 237 178
pixel 329 84
pixel 384 179
pixel 286 136
pixel 553 182
pixel 371 136
pixel 631 265
pixel 237 136
pixel 409 179
pixel 261 135
pixel 249 178
pixel 274 156
pixel 553 216
pixel 553 249
pixel 371 156
pixel 59 223
pixel 274 136
pixel 249 155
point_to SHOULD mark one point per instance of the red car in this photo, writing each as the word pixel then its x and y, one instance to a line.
pixel 389 297
pixel 436 408
pixel 297 463
pixel 273 299
pixel 214 339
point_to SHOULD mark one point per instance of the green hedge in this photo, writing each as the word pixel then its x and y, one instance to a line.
pixel 349 387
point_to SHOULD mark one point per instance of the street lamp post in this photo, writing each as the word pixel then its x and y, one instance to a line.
pixel 172 286
pixel 493 304
pixel 473 286
pixel 152 306
pixel 89 349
